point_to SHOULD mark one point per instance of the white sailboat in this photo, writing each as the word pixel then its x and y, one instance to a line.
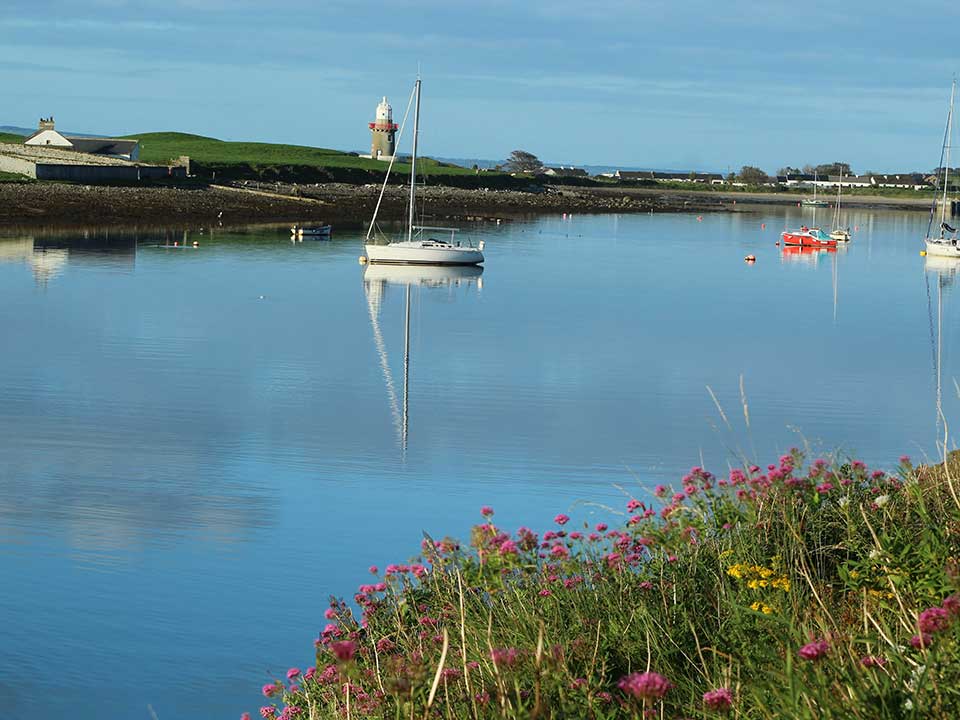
pixel 420 248
pixel 944 244
pixel 814 202
pixel 839 233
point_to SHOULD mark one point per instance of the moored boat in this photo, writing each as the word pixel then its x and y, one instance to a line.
pixel 944 244
pixel 808 237
pixel 841 234
pixel 315 231
pixel 419 247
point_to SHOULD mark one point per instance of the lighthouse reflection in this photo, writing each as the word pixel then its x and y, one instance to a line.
pixel 377 280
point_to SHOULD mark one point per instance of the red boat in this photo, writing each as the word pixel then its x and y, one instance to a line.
pixel 808 237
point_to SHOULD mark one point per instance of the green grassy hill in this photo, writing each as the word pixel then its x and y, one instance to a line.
pixel 269 161
pixel 10 138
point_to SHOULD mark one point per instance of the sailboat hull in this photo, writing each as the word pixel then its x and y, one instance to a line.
pixel 942 247
pixel 423 253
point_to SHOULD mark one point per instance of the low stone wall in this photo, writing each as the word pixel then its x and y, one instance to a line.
pixel 18 165
pixel 107 173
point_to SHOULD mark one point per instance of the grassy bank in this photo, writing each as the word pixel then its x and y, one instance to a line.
pixel 14 177
pixel 825 591
pixel 270 160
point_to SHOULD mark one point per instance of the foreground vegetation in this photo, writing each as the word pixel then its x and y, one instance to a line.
pixel 828 591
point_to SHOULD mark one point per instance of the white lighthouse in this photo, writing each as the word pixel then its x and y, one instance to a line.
pixel 383 130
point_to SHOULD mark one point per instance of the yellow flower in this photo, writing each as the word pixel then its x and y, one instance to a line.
pixel 782 583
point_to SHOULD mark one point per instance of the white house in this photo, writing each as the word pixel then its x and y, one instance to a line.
pixel 47 135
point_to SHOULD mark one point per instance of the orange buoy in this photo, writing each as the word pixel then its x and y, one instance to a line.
pixel 750 259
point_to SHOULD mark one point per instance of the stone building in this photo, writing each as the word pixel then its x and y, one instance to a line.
pixel 48 136
pixel 383 130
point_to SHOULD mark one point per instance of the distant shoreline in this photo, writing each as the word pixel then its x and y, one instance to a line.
pixel 62 205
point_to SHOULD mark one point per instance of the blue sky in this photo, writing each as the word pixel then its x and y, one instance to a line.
pixel 696 84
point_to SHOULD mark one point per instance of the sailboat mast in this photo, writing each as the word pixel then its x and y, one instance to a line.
pixel 946 150
pixel 413 161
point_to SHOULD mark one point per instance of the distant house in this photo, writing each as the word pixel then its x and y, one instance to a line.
pixel 563 171
pixel 910 181
pixel 633 175
pixel 48 136
pixel 713 178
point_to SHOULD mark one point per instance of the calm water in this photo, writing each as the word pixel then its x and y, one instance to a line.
pixel 197 447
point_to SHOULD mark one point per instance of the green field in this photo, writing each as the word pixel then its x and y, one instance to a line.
pixel 267 158
pixel 10 138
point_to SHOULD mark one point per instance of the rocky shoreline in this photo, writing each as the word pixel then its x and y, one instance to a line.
pixel 56 204
pixel 64 205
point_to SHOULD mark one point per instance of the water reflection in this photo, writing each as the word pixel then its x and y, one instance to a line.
pixel 800 255
pixel 376 279
pixel 48 255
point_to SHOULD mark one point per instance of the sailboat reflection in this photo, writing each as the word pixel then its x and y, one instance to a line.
pixel 944 269
pixel 376 281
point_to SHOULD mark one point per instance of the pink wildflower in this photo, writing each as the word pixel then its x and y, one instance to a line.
pixel 292 673
pixel 814 650
pixel 311 671
pixel 561 519
pixel 920 641
pixel 545 593
pixel 951 605
pixel 934 620
pixel 824 488
pixel 648 685
pixel 486 511
pixel 508 547
pixel 870 661
pixel 601 527
pixel 245 716
pixel 504 656
pixel 634 505
pixel 267 712
pixel 559 551
pixel 330 614
pixel 720 699
pixel 343 650
pixel 385 645
pixel 374 570
pixel 270 690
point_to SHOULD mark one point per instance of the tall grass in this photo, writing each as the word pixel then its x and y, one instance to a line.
pixel 818 591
